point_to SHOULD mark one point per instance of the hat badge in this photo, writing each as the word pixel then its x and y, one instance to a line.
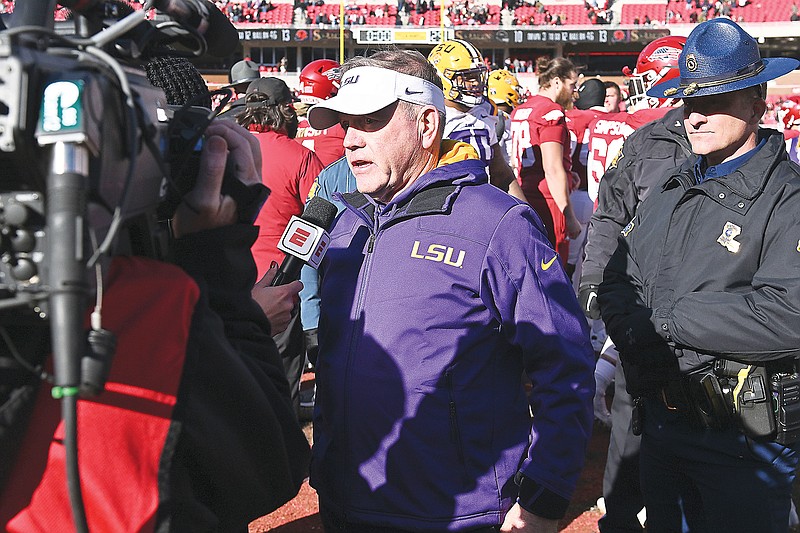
pixel 691 62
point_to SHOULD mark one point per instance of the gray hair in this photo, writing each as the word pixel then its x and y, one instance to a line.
pixel 409 62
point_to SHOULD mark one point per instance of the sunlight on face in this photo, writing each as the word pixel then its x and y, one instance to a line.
pixel 568 88
pixel 722 126
pixel 383 151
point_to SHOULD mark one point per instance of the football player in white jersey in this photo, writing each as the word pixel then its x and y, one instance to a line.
pixel 470 116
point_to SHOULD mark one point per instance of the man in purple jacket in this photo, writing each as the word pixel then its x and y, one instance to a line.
pixel 438 290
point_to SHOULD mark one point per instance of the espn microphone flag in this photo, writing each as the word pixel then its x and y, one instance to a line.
pixel 305 240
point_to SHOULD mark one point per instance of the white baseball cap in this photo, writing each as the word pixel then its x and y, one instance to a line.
pixel 365 90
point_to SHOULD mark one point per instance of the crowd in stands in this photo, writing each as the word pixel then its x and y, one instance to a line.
pixel 481 12
pixel 420 13
pixel 539 13
pixel 458 13
pixel 255 11
pixel 696 11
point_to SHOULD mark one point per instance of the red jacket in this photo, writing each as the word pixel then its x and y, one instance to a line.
pixel 288 170
pixel 195 430
pixel 328 144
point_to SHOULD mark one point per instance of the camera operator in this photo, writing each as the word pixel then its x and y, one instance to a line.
pixel 195 431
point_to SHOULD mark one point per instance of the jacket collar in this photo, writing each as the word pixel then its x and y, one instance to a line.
pixel 434 191
pixel 672 122
pixel 746 183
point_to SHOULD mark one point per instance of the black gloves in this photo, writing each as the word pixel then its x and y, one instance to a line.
pixel 587 296
pixel 648 368
pixel 648 360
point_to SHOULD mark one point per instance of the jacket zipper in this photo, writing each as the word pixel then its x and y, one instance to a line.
pixel 455 434
pixel 367 266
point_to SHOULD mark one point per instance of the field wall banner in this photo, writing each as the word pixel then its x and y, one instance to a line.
pixel 519 35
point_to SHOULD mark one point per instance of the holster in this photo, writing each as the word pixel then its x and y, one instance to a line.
pixel 699 398
pixel 761 401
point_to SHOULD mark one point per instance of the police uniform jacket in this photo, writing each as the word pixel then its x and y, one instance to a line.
pixel 649 153
pixel 712 269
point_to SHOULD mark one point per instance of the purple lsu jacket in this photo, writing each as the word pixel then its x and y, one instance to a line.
pixel 431 308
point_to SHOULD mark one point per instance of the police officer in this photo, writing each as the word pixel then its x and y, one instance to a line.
pixel 647 154
pixel 702 299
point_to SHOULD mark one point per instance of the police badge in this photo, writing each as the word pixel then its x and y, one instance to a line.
pixel 729 233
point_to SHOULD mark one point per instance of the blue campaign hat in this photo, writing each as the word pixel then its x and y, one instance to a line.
pixel 720 57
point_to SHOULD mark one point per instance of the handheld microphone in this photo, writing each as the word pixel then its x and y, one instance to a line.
pixel 305 240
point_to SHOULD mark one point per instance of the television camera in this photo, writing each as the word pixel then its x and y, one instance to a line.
pixel 89 149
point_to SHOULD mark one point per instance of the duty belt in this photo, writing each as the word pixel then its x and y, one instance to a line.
pixel 761 401
pixel 698 398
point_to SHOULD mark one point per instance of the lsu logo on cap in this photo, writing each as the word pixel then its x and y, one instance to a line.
pixel 348 80
pixel 729 233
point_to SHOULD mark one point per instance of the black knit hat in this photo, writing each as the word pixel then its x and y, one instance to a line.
pixel 591 93
pixel 180 80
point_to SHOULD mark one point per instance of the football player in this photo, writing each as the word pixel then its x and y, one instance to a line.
pixel 470 115
pixel 505 93
pixel 789 118
pixel 319 80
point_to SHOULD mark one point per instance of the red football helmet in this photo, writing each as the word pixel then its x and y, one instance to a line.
pixel 656 63
pixel 319 80
pixel 789 114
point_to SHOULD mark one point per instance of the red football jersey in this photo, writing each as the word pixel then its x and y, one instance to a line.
pixel 328 144
pixel 540 120
pixel 537 121
pixel 607 133
pixel 578 121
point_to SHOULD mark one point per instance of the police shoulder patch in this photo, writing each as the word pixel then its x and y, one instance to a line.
pixel 613 164
pixel 627 229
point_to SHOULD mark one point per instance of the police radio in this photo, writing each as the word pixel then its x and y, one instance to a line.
pixel 764 399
